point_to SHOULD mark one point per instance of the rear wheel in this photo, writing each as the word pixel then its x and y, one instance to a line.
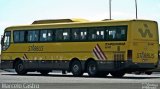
pixel 19 68
pixel 92 69
pixel 76 68
pixel 118 74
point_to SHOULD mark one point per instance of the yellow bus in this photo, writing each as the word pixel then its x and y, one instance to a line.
pixel 80 46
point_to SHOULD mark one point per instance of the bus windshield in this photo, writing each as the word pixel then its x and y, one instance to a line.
pixel 6 40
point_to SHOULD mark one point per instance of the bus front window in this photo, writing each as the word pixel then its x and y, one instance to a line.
pixel 6 40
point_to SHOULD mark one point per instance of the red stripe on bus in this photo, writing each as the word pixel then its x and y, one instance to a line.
pixel 102 52
pixel 99 52
pixel 95 54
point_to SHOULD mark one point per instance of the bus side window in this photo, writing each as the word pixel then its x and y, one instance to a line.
pixel 16 36
pixel 19 36
pixel 75 34
pixel 22 35
pixel 100 34
pixel 117 33
pixel 96 33
pixel 62 34
pixel 112 34
pixel 50 35
pixel 92 33
pixel 43 35
pixel 66 34
pixel 33 36
pixel 83 34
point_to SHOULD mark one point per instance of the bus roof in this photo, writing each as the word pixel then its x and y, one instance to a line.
pixel 59 21
pixel 70 21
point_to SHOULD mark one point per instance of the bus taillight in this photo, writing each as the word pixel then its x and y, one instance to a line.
pixel 129 55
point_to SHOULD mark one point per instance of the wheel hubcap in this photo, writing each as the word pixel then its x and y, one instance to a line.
pixel 20 67
pixel 92 69
pixel 75 68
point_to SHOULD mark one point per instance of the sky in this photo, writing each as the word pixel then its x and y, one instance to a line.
pixel 23 12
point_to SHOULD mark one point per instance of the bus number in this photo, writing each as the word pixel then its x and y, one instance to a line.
pixel 35 48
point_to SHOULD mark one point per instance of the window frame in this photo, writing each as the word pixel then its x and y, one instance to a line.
pixel 19 36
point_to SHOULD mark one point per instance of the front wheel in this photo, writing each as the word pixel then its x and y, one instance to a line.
pixel 76 68
pixel 19 68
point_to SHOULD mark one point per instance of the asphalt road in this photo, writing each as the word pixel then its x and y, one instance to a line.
pixel 10 80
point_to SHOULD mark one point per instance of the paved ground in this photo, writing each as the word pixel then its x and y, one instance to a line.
pixel 59 81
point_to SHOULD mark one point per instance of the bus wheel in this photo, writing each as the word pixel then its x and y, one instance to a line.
pixel 44 72
pixel 92 69
pixel 76 68
pixel 118 74
pixel 19 68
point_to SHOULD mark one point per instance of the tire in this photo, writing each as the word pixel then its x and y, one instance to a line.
pixel 19 68
pixel 76 69
pixel 117 74
pixel 92 69
pixel 44 72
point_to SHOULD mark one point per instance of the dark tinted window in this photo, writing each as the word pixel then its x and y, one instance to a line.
pixel 76 34
pixel 63 34
pixel 83 34
pixel 46 35
pixel 19 36
pixel 50 35
pixel 43 35
pixel 33 36
pixel 96 33
pixel 117 33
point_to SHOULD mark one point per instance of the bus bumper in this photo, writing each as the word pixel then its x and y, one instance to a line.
pixel 124 66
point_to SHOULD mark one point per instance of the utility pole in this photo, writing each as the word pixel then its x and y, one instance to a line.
pixel 110 8
pixel 136 9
